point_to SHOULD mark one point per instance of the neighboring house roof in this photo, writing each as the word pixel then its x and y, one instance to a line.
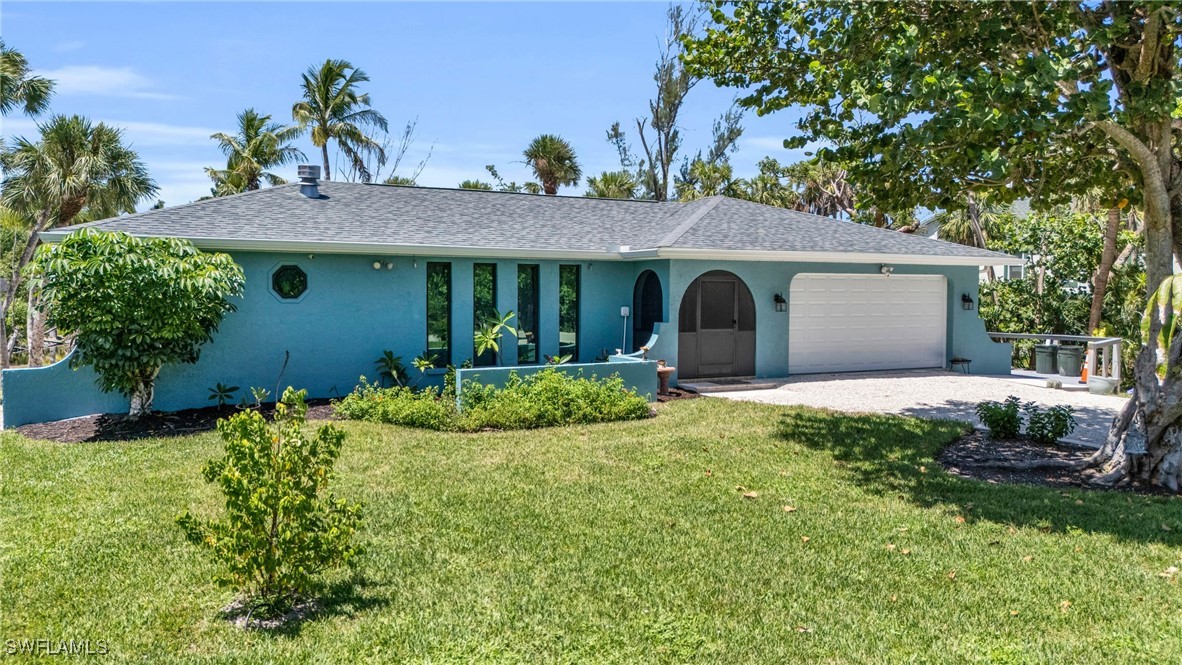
pixel 388 219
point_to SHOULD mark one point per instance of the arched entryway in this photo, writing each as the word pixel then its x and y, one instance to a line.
pixel 646 308
pixel 716 328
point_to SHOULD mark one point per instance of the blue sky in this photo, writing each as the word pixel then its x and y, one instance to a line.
pixel 482 78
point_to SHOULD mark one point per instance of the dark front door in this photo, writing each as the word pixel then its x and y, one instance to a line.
pixel 716 331
pixel 718 322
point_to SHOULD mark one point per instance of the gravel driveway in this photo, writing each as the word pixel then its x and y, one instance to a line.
pixel 935 394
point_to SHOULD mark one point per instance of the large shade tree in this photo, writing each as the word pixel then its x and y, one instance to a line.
pixel 256 147
pixel 76 171
pixel 135 304
pixel 925 101
pixel 335 110
pixel 19 87
pixel 553 162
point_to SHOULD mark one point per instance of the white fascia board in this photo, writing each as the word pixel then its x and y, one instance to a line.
pixel 380 249
pixel 392 249
pixel 837 257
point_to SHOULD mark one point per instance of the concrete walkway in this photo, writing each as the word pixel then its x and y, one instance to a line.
pixel 933 394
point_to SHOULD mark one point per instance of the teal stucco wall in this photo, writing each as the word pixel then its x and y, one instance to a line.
pixel 352 312
pixel 334 332
pixel 966 332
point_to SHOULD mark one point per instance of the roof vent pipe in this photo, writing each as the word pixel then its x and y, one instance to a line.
pixel 309 176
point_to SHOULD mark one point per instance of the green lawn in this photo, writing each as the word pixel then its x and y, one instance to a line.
pixel 629 542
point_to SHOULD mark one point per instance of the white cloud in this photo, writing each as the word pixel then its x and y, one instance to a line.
pixel 776 143
pixel 159 133
pixel 138 134
pixel 103 81
pixel 763 142
pixel 66 47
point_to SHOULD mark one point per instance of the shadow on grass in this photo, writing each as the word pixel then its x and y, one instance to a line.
pixel 1092 423
pixel 893 455
pixel 344 598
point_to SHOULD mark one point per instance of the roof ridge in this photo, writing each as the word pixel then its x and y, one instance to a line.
pixel 682 228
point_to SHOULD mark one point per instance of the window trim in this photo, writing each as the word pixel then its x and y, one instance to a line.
pixel 445 356
pixel 537 289
pixel 578 306
pixel 476 312
pixel 271 282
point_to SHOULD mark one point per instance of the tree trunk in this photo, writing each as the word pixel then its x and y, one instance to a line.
pixel 35 329
pixel 5 354
pixel 1144 444
pixel 324 154
pixel 145 392
pixel 1107 259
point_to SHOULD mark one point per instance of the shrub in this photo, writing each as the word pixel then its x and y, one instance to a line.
pixel 282 526
pixel 1048 426
pixel 546 398
pixel 549 397
pixel 134 305
pixel 397 406
pixel 1002 418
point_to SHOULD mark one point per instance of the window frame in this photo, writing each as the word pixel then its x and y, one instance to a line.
pixel 444 354
pixel 522 331
pixel 490 357
pixel 578 303
pixel 271 282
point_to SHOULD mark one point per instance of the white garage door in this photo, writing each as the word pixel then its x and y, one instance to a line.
pixel 849 323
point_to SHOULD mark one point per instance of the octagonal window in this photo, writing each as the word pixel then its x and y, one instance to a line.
pixel 289 282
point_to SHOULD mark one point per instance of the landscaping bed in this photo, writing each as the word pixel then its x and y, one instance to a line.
pixel 983 458
pixel 120 427
pixel 973 456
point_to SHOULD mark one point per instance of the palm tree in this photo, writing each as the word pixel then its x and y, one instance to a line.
pixel 77 171
pixel 336 111
pixel 18 88
pixel 400 180
pixel 822 189
pixel 258 145
pixel 612 185
pixel 476 184
pixel 704 179
pixel 553 161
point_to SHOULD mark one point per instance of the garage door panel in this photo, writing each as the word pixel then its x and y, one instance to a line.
pixel 845 323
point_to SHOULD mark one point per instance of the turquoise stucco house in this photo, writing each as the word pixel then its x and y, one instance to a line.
pixel 338 272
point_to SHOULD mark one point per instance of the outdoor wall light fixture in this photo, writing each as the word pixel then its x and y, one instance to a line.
pixel 781 304
pixel 377 265
pixel 966 301
pixel 886 270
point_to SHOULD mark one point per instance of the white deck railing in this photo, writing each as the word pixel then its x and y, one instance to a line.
pixel 1103 352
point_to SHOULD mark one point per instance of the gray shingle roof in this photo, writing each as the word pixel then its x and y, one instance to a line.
pixel 376 215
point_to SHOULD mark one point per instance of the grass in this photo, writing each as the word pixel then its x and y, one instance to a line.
pixel 628 542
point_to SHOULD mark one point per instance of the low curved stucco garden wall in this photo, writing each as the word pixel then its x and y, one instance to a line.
pixel 54 392
pixel 638 375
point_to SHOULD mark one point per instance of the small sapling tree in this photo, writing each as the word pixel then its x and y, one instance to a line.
pixel 282 526
pixel 134 305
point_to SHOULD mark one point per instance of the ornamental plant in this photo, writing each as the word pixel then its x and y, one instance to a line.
pixel 1003 419
pixel 134 305
pixel 282 526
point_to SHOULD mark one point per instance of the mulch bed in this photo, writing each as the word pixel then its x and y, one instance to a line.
pixel 966 456
pixel 676 394
pixel 118 427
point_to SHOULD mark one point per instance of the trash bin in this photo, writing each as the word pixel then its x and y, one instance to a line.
pixel 1069 359
pixel 1044 359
